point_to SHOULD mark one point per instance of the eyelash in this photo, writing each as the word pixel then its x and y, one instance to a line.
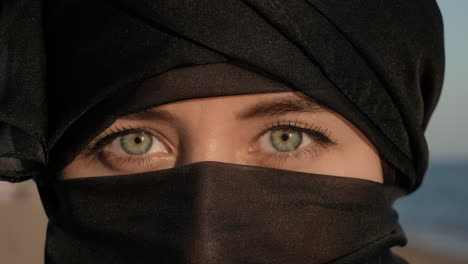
pixel 113 133
pixel 318 134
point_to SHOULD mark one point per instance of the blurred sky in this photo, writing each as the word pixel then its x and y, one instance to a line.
pixel 447 133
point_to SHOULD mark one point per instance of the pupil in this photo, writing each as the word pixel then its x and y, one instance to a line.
pixel 285 137
pixel 138 140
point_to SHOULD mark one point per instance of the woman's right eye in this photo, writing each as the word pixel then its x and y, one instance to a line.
pixel 134 151
pixel 137 143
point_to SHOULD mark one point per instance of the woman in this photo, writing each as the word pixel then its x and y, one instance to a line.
pixel 224 131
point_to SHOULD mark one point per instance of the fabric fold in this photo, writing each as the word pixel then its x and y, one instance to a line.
pixel 23 102
pixel 341 54
pixel 214 212
pixel 302 44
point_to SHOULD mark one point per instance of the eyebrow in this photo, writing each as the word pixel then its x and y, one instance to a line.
pixel 280 106
pixel 272 107
pixel 151 114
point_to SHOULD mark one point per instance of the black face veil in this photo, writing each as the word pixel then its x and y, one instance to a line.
pixel 69 68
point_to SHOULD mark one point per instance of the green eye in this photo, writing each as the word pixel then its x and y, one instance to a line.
pixel 136 143
pixel 285 139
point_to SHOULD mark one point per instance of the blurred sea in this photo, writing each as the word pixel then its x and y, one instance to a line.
pixel 436 215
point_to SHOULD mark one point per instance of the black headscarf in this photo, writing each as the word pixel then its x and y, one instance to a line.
pixel 380 62
pixel 69 68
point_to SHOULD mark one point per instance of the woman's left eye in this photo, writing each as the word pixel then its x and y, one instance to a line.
pixel 138 143
pixel 283 140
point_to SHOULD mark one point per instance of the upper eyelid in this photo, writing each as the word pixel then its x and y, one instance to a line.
pixel 109 136
pixel 302 126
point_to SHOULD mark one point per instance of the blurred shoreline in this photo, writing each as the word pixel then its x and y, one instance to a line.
pixel 418 255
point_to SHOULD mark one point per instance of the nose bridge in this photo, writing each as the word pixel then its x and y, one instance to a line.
pixel 208 141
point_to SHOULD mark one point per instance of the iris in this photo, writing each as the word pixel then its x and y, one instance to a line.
pixel 285 139
pixel 136 143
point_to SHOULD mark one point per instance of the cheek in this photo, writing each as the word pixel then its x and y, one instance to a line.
pixel 354 157
pixel 358 164
pixel 84 167
pixel 357 160
pixel 72 170
pixel 363 164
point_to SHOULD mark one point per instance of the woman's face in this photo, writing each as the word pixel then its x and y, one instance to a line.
pixel 283 130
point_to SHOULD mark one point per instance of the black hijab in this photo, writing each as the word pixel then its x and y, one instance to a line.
pixel 380 62
pixel 69 68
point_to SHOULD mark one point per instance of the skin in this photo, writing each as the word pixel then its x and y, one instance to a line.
pixel 225 129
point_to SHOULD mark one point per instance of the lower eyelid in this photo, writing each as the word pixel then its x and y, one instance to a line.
pixel 307 152
pixel 131 163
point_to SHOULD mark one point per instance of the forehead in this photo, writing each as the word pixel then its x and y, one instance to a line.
pixel 241 106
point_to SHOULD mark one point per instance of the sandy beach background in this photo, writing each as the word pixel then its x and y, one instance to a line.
pixel 23 224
